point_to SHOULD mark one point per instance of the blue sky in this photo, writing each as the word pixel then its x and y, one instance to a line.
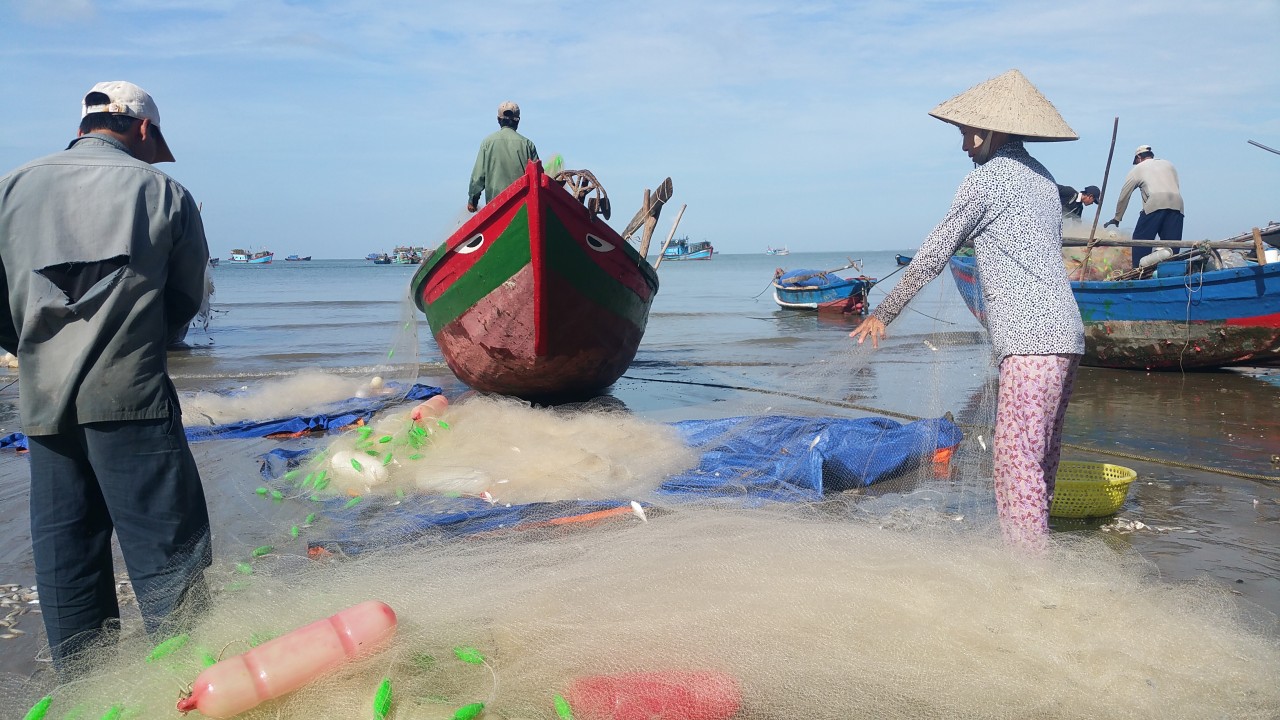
pixel 341 127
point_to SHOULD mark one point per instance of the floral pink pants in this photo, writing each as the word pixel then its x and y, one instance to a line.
pixel 1033 396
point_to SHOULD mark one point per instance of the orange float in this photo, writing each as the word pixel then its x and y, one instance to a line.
pixel 284 664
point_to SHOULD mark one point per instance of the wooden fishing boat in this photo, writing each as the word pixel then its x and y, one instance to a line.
pixel 535 296
pixel 682 249
pixel 777 250
pixel 296 258
pixel 822 290
pixel 904 260
pixel 1208 319
pixel 259 257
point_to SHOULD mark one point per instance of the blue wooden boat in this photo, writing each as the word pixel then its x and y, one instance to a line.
pixel 1208 319
pixel 258 257
pixel 904 259
pixel 682 249
pixel 821 290
pixel 777 250
pixel 297 258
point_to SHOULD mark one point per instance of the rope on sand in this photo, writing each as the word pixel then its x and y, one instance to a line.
pixel 909 417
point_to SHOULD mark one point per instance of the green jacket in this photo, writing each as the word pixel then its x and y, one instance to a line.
pixel 102 259
pixel 500 162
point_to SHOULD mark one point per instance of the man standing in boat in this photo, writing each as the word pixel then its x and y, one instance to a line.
pixel 1074 203
pixel 103 259
pixel 1161 200
pixel 502 158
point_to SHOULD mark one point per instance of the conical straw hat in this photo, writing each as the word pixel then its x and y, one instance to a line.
pixel 1008 103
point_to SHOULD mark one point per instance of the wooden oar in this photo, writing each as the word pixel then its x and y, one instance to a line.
pixel 1106 175
pixel 652 206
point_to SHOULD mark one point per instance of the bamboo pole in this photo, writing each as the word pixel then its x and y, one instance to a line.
pixel 1264 147
pixel 1215 244
pixel 1257 246
pixel 663 251
pixel 644 239
pixel 1106 175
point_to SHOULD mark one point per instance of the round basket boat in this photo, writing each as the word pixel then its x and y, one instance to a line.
pixel 1090 489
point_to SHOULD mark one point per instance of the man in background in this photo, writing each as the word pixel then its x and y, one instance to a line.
pixel 1161 214
pixel 103 260
pixel 502 158
pixel 1074 203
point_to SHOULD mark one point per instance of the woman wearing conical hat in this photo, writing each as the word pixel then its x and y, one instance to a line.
pixel 1009 208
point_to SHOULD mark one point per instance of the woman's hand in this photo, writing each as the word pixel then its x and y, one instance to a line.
pixel 870 327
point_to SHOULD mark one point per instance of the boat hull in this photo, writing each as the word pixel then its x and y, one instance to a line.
pixel 535 297
pixel 1218 318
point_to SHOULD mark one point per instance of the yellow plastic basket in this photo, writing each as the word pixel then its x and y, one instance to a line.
pixel 1090 489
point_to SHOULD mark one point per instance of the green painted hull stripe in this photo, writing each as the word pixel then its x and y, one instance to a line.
pixel 509 253
pixel 570 261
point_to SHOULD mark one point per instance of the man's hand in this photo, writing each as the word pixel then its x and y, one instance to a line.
pixel 871 326
pixel 471 207
pixel 1109 223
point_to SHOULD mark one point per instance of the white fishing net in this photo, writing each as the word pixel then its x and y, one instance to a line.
pixel 541 564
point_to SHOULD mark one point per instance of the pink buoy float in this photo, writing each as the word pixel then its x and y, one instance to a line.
pixel 284 664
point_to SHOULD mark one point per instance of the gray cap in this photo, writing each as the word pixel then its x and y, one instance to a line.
pixel 509 109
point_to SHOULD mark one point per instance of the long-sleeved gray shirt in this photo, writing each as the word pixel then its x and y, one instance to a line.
pixel 1010 208
pixel 1158 181
pixel 500 162
pixel 102 259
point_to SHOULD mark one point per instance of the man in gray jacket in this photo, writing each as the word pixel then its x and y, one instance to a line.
pixel 1161 200
pixel 103 259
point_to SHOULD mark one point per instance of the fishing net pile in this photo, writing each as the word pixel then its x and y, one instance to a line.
pixel 797 553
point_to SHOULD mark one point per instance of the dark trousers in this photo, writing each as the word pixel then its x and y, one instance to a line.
pixel 1165 223
pixel 137 477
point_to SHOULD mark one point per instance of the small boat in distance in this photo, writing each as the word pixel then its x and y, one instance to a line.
pixel 295 258
pixel 406 256
pixel 823 290
pixel 259 257
pixel 213 262
pixel 777 251
pixel 380 259
pixel 904 259
pixel 682 249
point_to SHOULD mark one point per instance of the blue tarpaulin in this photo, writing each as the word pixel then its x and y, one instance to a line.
pixel 753 459
pixel 336 415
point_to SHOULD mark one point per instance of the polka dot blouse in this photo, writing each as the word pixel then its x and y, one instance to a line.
pixel 1009 207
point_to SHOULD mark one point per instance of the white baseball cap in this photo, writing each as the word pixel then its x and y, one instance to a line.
pixel 125 98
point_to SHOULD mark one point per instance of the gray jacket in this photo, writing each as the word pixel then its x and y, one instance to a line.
pixel 1158 181
pixel 102 258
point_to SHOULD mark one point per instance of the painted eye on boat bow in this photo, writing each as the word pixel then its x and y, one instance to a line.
pixel 471 245
pixel 599 245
